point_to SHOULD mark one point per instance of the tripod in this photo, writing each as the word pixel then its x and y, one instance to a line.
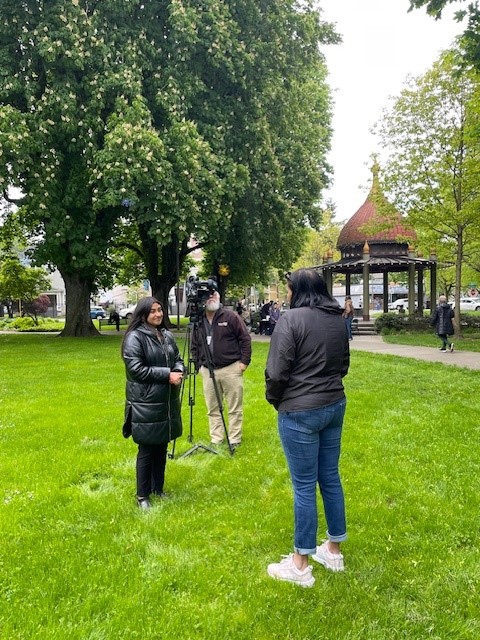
pixel 194 329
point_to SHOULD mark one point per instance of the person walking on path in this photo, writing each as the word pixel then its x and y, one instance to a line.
pixel 226 346
pixel 348 314
pixel 308 357
pixel 154 371
pixel 442 321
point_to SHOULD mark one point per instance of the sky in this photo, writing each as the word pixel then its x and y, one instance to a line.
pixel 382 45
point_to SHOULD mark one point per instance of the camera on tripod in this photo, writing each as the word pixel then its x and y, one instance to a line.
pixel 197 292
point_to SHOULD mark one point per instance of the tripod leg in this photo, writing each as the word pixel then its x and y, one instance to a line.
pixel 192 376
pixel 196 448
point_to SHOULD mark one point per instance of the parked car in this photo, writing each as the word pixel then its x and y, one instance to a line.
pixel 127 312
pixel 97 312
pixel 399 304
pixel 468 304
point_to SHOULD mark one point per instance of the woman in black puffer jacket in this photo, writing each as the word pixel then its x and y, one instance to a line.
pixel 154 372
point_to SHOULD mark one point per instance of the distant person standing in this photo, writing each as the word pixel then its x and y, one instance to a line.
pixel 348 314
pixel 274 316
pixel 114 319
pixel 442 321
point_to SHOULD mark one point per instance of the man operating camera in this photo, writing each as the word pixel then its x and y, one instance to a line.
pixel 222 344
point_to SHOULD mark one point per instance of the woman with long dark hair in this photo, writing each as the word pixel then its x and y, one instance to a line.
pixel 308 357
pixel 154 370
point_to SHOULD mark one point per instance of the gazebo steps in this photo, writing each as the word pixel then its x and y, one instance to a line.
pixel 363 327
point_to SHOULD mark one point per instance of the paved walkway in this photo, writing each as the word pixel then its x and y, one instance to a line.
pixel 375 344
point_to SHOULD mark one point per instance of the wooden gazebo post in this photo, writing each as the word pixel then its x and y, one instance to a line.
pixel 366 282
pixel 411 283
pixel 385 291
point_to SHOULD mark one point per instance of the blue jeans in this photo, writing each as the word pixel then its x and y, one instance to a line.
pixel 311 442
pixel 348 324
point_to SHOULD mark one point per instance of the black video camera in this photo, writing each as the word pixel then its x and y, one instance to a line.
pixel 197 293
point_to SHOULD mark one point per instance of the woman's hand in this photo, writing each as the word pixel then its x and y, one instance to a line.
pixel 175 378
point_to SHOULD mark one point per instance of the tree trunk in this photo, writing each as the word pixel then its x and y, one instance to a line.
pixel 78 323
pixel 161 286
pixel 163 271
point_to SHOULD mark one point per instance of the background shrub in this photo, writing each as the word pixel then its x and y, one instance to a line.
pixel 27 324
pixel 398 323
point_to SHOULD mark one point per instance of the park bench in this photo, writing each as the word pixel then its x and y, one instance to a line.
pixel 104 321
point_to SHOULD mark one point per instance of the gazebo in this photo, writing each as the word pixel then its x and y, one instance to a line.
pixel 372 242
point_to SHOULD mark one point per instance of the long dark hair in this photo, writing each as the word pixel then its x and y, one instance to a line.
pixel 141 313
pixel 308 289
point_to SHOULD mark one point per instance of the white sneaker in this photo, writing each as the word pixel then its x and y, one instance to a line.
pixel 332 561
pixel 286 570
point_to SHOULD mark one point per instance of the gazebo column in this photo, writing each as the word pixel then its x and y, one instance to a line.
pixel 348 283
pixel 385 291
pixel 329 273
pixel 366 282
pixel 328 281
pixel 433 281
pixel 420 290
pixel 322 270
pixel 411 283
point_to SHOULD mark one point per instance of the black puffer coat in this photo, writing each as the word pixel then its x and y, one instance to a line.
pixel 442 319
pixel 152 404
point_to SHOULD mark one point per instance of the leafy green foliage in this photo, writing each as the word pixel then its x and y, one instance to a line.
pixel 28 323
pixel 18 282
pixel 320 242
pixel 181 119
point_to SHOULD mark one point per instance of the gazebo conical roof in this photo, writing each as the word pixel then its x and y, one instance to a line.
pixel 375 236
pixel 356 232
pixel 374 240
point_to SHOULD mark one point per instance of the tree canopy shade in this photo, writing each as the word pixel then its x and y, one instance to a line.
pixel 179 118
pixel 433 170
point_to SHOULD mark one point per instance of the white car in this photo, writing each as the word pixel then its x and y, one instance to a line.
pixel 399 304
pixel 468 304
pixel 127 312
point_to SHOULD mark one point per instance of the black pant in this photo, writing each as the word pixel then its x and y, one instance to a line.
pixel 151 462
pixel 445 341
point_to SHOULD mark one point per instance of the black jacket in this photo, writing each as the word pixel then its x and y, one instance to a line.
pixel 442 319
pixel 230 340
pixel 152 404
pixel 309 355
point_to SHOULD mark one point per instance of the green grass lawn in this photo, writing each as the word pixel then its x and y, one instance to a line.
pixel 470 341
pixel 79 561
